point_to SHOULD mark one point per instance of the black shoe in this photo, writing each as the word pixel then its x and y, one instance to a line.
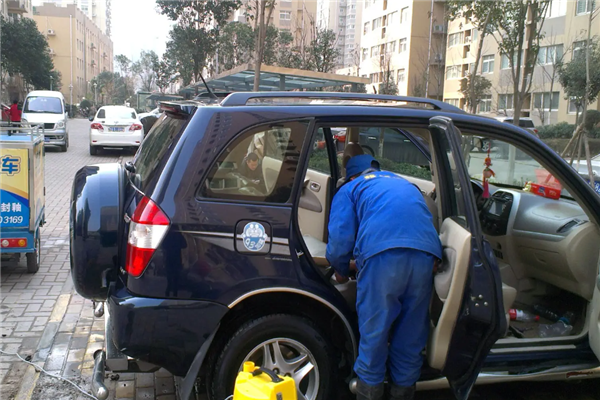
pixel 368 392
pixel 402 392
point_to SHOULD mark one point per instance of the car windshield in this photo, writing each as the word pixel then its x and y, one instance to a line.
pixel 46 105
pixel 116 113
pixel 511 167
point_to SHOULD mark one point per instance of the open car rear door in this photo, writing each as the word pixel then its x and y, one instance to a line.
pixel 467 309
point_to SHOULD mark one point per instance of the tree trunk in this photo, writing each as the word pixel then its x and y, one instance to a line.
pixel 482 34
pixel 260 11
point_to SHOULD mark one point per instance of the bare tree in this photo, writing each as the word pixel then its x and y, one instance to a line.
pixel 260 27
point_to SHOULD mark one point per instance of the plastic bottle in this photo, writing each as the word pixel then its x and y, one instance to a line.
pixel 546 313
pixel 523 316
pixel 554 330
pixel 568 318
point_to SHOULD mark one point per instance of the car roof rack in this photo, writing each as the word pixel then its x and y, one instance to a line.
pixel 344 98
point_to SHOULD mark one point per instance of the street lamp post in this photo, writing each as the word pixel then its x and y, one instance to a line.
pixel 96 94
pixel 51 81
pixel 71 99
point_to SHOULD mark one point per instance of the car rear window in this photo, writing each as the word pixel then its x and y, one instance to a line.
pixel 154 146
pixel 116 113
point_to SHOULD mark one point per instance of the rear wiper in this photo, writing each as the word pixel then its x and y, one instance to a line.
pixel 130 167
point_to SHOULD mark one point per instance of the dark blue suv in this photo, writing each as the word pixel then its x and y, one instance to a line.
pixel 208 249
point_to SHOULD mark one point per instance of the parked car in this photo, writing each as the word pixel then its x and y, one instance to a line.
pixel 202 269
pixel 524 122
pixel 47 109
pixel 115 127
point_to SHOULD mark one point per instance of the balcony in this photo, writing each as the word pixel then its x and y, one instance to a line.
pixel 16 7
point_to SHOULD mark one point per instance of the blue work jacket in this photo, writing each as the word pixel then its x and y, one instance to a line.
pixel 375 212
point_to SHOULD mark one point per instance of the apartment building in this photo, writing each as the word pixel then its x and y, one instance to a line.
pixel 565 32
pixel 296 16
pixel 99 11
pixel 79 48
pixel 407 38
pixel 344 17
pixel 12 9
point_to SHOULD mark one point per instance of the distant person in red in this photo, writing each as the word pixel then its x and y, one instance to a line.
pixel 15 113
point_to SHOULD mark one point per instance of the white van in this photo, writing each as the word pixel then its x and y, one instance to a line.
pixel 47 109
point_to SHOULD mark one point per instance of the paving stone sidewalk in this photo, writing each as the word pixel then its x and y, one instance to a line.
pixel 42 317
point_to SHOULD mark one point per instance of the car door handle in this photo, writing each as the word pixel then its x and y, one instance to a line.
pixel 372 138
pixel 315 187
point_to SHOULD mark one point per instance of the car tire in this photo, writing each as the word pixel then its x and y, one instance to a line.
pixel 34 259
pixel 93 150
pixel 485 145
pixel 63 148
pixel 287 337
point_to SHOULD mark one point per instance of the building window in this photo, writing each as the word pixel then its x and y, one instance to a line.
pixel 455 39
pixel 550 54
pixel 374 51
pixel 453 72
pixel 572 106
pixel 453 102
pixel 376 23
pixel 585 6
pixel 366 28
pixel 485 104
pixel 391 18
pixel 556 8
pixel 579 49
pixel 404 15
pixel 487 64
pixel 505 64
pixel 506 101
pixel 401 75
pixel 391 47
pixel 402 47
pixel 375 78
pixel 546 101
pixel 365 54
pixel 285 15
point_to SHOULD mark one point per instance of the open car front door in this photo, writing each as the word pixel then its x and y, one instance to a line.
pixel 594 333
pixel 467 310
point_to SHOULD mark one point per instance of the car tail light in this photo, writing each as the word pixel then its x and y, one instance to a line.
pixel 98 126
pixel 135 127
pixel 149 226
pixel 17 242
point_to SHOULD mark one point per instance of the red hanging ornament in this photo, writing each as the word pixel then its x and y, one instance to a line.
pixel 487 174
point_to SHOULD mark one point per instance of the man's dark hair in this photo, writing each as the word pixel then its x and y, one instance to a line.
pixel 251 157
pixel 15 101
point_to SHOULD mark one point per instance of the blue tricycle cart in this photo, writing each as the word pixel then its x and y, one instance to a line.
pixel 22 193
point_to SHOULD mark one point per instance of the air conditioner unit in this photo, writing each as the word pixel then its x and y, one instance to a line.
pixel 52 52
pixel 51 32
pixel 439 58
pixel 467 39
pixel 439 28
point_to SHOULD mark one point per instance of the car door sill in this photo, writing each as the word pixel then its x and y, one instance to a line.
pixel 564 372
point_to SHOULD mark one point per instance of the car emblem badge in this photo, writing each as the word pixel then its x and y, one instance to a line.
pixel 254 236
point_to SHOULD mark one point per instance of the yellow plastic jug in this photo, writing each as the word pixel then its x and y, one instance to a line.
pixel 255 383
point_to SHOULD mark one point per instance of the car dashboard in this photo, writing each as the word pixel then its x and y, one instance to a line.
pixel 533 236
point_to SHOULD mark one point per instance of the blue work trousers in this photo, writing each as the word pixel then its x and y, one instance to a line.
pixel 393 296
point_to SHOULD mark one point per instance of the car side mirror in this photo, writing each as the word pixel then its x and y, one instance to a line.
pixel 91 119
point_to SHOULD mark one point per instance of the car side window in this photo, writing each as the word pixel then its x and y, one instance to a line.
pixel 395 152
pixel 101 113
pixel 319 159
pixel 260 165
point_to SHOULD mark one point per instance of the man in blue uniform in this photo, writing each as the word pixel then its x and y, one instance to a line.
pixel 382 221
